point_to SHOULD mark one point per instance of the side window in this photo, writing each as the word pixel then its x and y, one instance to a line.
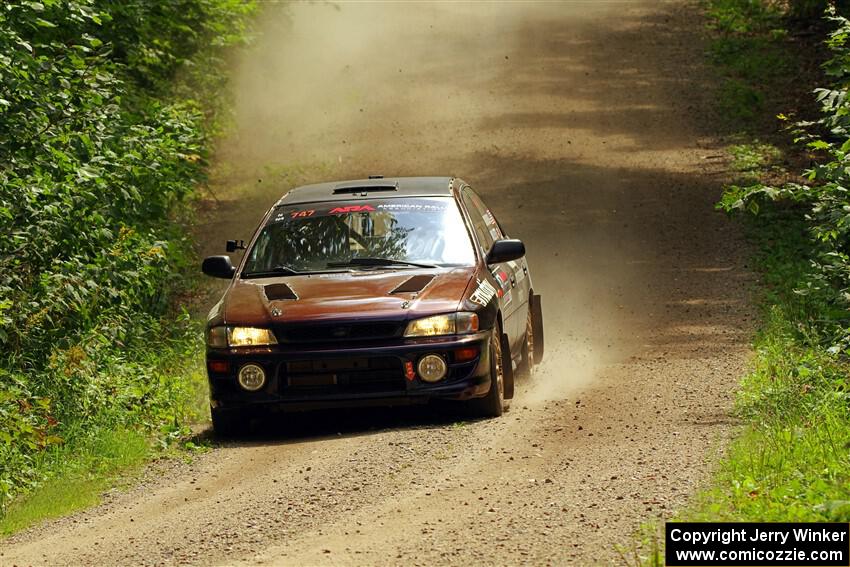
pixel 490 221
pixel 478 214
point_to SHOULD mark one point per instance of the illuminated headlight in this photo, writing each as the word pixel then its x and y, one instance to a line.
pixel 223 337
pixel 249 336
pixel 431 368
pixel 449 324
pixel 252 377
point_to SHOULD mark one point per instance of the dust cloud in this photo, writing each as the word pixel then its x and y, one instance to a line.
pixel 374 85
pixel 344 90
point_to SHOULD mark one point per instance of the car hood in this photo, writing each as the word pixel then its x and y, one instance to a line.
pixel 367 294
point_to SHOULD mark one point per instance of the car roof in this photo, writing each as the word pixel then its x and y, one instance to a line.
pixel 372 187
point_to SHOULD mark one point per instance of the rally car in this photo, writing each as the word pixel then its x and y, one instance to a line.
pixel 372 292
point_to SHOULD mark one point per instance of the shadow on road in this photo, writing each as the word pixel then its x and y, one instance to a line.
pixel 277 428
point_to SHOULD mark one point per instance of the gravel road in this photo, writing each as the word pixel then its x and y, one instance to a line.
pixel 586 126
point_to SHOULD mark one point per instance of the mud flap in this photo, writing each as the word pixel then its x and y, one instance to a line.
pixel 507 368
pixel 537 323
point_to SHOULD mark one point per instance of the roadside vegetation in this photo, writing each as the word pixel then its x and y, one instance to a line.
pixel 789 69
pixel 106 114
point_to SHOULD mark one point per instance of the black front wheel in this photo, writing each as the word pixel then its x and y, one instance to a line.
pixel 494 403
pixel 228 423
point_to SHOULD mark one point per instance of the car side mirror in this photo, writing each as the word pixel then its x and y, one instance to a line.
pixel 505 250
pixel 218 267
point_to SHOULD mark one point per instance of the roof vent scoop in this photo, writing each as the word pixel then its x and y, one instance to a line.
pixel 365 187
pixel 278 291
pixel 414 284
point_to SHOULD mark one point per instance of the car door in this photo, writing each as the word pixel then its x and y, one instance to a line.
pixel 520 285
pixel 488 231
pixel 521 289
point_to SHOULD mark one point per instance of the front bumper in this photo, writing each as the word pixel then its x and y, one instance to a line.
pixel 300 377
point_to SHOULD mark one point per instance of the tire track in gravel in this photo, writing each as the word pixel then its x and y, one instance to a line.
pixel 586 127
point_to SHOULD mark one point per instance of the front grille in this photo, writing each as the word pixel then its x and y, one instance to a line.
pixel 338 332
pixel 348 375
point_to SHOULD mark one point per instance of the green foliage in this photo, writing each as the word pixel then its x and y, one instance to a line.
pixel 791 463
pixel 749 47
pixel 743 16
pixel 739 101
pixel 753 157
pixel 97 154
pixel 807 10
pixel 82 470
pixel 822 203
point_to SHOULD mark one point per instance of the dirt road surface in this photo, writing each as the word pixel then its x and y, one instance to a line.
pixel 586 127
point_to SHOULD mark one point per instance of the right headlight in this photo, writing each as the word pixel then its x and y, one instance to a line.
pixel 223 337
pixel 448 324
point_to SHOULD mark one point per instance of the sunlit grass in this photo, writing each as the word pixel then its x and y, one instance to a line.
pixel 792 462
pixel 791 459
pixel 80 475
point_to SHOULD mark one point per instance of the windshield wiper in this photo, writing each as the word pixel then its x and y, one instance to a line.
pixel 377 262
pixel 280 270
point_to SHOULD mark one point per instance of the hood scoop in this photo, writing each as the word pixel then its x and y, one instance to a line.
pixel 414 284
pixel 275 292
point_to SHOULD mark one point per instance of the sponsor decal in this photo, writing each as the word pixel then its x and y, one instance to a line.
pixel 404 206
pixel 508 297
pixel 352 209
pixel 520 273
pixel 483 293
pixel 503 278
pixel 426 207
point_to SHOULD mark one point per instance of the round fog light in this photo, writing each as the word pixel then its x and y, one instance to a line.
pixel 252 377
pixel 431 368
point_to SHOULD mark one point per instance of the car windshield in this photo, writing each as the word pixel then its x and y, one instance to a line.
pixel 366 234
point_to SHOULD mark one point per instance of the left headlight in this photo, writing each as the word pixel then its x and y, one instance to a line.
pixel 448 324
pixel 222 337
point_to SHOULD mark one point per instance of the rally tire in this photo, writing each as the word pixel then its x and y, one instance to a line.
pixel 507 372
pixel 228 423
pixel 493 403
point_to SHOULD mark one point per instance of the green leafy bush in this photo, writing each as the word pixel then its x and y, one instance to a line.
pixel 791 463
pixel 97 152
pixel 823 202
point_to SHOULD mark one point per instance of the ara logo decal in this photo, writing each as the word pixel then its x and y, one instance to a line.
pixel 352 209
pixel 483 293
